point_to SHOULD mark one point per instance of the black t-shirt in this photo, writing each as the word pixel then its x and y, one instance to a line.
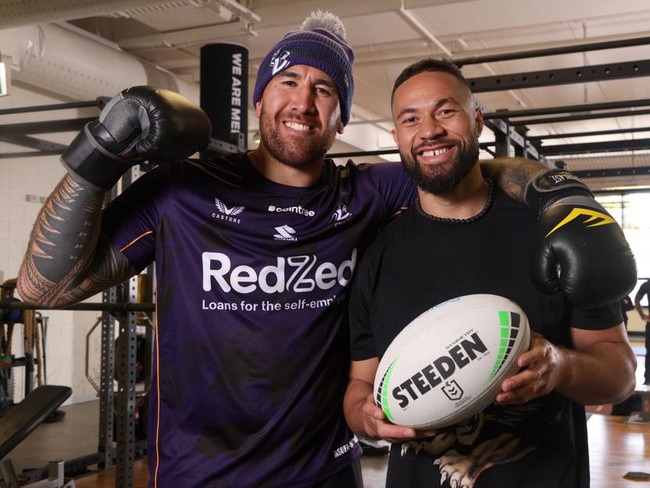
pixel 419 261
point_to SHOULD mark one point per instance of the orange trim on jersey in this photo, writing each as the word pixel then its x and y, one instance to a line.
pixel 398 212
pixel 135 240
pixel 157 349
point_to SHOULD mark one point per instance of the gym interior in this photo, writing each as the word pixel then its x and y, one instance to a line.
pixel 564 83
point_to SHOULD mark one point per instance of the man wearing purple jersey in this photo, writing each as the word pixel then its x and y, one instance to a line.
pixel 253 255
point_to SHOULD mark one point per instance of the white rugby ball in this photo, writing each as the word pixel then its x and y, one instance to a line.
pixel 448 363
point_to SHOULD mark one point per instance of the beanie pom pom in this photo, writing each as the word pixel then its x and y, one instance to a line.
pixel 326 21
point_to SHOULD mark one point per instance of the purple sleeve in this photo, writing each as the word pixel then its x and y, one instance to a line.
pixel 392 183
pixel 131 220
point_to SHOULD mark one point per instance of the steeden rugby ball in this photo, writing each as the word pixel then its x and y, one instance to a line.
pixel 449 362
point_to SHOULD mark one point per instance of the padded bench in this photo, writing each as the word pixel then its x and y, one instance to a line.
pixel 21 419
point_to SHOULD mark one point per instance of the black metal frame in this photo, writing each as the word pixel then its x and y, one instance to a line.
pixel 510 127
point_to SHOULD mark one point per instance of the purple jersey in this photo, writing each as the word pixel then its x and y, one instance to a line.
pixel 252 283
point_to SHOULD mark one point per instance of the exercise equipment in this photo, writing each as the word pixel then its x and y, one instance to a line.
pixel 18 422
pixel 34 328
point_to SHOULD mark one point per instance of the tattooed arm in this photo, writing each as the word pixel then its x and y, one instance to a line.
pixel 591 265
pixel 512 174
pixel 67 258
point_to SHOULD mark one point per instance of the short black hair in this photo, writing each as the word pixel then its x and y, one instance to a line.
pixel 426 65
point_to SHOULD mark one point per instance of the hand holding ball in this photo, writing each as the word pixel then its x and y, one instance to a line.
pixel 449 362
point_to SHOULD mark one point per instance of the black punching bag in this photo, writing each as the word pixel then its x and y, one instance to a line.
pixel 224 95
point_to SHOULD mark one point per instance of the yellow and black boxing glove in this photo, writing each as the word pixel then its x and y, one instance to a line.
pixel 580 249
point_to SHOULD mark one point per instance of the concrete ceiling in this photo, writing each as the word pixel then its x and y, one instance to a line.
pixel 576 73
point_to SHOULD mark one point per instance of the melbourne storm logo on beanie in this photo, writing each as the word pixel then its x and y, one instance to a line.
pixel 320 43
pixel 279 61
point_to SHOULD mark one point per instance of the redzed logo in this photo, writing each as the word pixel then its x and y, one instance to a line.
pixel 299 274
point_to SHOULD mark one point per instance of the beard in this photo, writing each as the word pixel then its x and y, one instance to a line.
pixel 441 178
pixel 296 152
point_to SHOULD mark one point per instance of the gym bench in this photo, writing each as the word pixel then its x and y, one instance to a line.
pixel 19 421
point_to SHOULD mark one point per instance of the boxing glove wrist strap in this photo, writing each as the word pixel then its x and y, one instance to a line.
pixel 87 159
pixel 546 188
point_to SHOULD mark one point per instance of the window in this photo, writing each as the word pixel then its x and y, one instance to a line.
pixel 632 211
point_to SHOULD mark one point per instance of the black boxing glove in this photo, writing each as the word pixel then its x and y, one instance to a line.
pixel 580 249
pixel 141 123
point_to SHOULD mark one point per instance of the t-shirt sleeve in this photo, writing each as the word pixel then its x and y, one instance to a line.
pixel 597 318
pixel 131 220
pixel 393 184
pixel 362 339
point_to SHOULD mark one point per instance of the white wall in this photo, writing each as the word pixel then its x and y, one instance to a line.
pixel 23 180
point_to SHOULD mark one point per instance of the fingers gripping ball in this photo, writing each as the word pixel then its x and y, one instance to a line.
pixel 581 251
pixel 140 123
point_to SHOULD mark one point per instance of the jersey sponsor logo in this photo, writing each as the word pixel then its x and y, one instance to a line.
pixel 299 274
pixel 285 233
pixel 295 209
pixel 341 214
pixel 347 447
pixel 229 214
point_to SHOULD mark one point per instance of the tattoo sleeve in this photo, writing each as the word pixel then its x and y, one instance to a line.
pixel 512 174
pixel 67 260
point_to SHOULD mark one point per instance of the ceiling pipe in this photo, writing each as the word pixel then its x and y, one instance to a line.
pixel 22 13
pixel 181 38
pixel 74 66
pixel 417 25
pixel 71 63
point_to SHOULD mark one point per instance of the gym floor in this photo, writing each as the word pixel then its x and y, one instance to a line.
pixel 616 446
